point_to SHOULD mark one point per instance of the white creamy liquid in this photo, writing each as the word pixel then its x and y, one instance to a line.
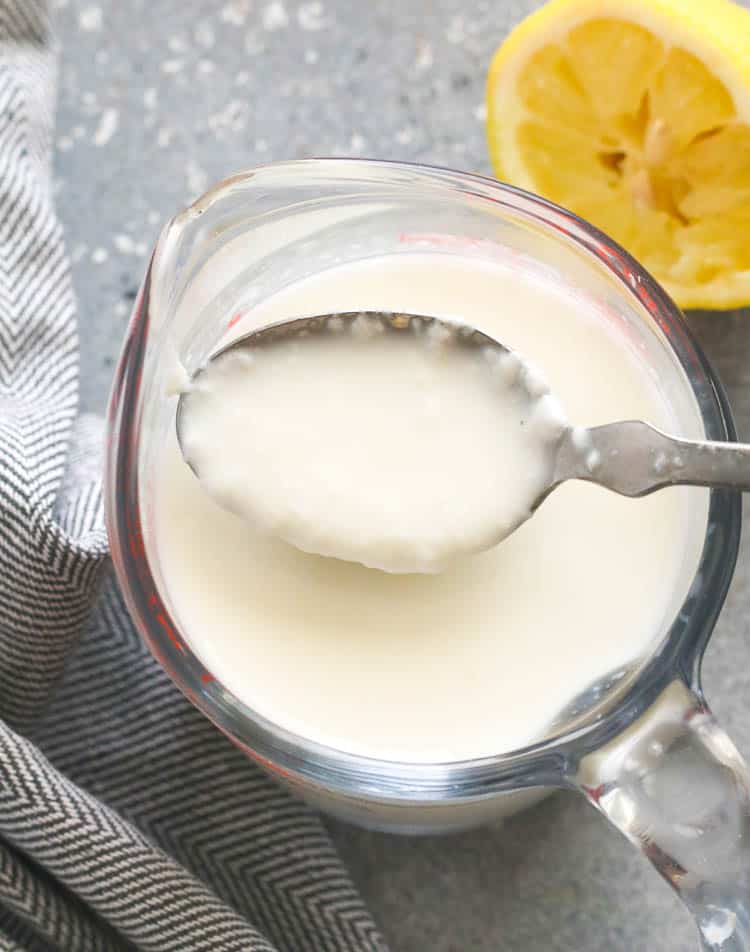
pixel 481 658
pixel 398 449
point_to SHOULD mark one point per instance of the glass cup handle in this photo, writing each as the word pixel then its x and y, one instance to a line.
pixel 675 785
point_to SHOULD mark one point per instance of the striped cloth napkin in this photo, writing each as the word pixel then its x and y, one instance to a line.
pixel 126 820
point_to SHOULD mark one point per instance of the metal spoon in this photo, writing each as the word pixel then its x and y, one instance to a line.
pixel 631 458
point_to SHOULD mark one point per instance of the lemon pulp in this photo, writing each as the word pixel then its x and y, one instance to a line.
pixel 639 123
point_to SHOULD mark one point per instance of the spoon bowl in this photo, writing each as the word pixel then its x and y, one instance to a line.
pixel 631 458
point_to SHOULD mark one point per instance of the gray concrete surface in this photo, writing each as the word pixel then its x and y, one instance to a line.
pixel 160 97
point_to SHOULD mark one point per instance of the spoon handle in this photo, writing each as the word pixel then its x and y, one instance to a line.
pixel 633 458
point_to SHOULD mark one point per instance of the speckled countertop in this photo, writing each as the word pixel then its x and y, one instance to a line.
pixel 158 98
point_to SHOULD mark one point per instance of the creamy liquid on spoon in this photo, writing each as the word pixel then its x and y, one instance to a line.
pixel 400 450
pixel 481 658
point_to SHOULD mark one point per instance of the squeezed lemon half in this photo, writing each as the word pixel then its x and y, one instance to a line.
pixel 636 116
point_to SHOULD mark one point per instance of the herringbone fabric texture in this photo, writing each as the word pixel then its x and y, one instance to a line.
pixel 126 821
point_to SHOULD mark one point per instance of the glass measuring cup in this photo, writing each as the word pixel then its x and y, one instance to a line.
pixel 640 744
